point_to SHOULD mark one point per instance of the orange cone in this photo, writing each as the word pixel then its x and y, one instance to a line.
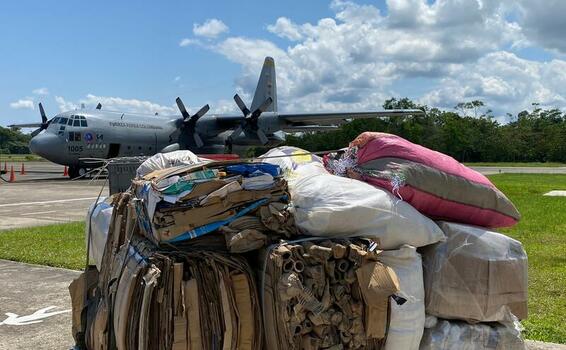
pixel 12 175
pixel 23 170
pixel 66 171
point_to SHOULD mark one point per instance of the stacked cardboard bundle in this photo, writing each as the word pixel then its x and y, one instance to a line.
pixel 326 295
pixel 188 201
pixel 149 297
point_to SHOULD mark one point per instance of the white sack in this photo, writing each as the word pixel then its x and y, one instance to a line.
pixel 457 335
pixel 333 206
pixel 294 162
pixel 100 222
pixel 166 160
pixel 407 321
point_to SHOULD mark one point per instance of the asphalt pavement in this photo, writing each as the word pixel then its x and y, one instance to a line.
pixel 44 196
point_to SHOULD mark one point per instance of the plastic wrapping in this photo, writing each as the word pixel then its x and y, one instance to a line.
pixel 407 320
pixel 294 162
pixel 475 275
pixel 333 206
pixel 166 160
pixel 457 335
pixel 99 224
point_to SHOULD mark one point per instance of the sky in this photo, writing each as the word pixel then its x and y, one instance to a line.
pixel 330 55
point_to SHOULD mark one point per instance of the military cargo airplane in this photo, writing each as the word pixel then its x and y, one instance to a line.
pixel 71 138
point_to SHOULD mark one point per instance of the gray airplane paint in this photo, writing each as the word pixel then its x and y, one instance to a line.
pixel 72 137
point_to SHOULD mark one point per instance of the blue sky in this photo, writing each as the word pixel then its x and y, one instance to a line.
pixel 330 55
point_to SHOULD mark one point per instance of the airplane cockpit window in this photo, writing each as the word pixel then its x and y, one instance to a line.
pixel 70 122
pixel 83 122
pixel 55 120
pixel 76 122
pixel 63 121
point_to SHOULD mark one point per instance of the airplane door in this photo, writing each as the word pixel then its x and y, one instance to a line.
pixel 113 150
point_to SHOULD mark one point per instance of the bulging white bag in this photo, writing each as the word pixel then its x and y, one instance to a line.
pixel 294 162
pixel 166 160
pixel 406 323
pixel 100 214
pixel 333 206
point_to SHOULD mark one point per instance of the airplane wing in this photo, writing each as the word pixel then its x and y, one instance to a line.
pixel 337 118
pixel 32 125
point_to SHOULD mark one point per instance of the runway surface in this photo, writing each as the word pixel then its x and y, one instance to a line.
pixel 44 196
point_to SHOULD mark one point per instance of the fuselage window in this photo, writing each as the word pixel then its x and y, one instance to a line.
pixel 74 136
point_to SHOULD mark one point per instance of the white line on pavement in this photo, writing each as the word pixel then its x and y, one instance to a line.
pixel 39 212
pixel 48 202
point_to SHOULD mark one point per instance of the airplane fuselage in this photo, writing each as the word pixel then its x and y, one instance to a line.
pixel 74 137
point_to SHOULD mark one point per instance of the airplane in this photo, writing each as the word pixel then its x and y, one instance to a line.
pixel 72 138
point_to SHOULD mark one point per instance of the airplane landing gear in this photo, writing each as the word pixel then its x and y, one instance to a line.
pixel 76 171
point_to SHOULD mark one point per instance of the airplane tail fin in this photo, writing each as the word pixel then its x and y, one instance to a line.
pixel 266 86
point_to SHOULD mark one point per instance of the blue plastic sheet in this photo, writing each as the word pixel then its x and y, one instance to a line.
pixel 249 169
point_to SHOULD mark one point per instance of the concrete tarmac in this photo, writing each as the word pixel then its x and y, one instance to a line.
pixel 44 196
pixel 26 291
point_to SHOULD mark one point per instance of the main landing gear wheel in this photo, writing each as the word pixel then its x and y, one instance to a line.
pixel 76 171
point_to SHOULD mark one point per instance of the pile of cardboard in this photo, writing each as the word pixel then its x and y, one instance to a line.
pixel 329 294
pixel 174 273
pixel 223 254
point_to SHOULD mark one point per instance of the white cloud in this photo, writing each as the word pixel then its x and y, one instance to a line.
pixel 544 23
pixel 440 52
pixel 115 104
pixel 505 81
pixel 284 28
pixel 22 104
pixel 41 91
pixel 177 78
pixel 186 42
pixel 211 28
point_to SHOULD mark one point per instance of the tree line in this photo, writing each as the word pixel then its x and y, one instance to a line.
pixel 12 141
pixel 469 133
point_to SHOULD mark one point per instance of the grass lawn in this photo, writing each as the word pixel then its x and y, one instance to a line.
pixel 517 164
pixel 542 231
pixel 20 158
pixel 60 245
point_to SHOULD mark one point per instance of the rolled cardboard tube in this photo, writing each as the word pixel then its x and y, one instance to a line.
pixel 286 255
pixel 342 265
pixel 338 251
pixel 288 265
pixel 298 266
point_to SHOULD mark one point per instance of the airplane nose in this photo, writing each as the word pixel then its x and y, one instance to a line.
pixel 42 143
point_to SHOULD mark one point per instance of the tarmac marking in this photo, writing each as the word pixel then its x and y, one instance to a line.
pixel 48 202
pixel 39 212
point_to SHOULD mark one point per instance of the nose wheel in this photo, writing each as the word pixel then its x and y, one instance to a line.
pixel 76 171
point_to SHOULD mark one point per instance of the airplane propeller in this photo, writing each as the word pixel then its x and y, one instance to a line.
pixel 44 121
pixel 250 121
pixel 190 122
